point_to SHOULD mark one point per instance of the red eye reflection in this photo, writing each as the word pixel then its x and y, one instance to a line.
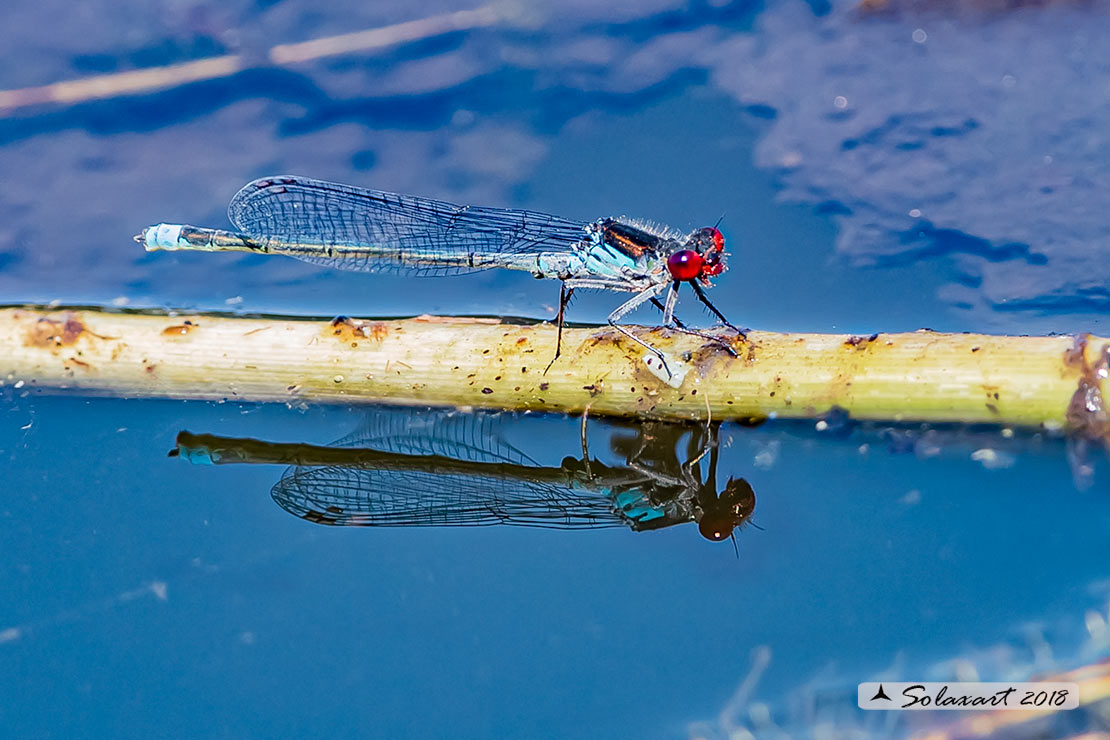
pixel 685 264
pixel 718 238
pixel 713 264
pixel 716 529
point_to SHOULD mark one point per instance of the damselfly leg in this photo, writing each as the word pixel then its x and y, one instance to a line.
pixel 680 326
pixel 703 442
pixel 632 304
pixel 705 299
pixel 586 444
pixel 565 294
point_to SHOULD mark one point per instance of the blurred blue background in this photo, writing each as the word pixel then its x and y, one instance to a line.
pixel 880 167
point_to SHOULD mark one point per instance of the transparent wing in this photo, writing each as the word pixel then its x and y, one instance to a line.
pixel 470 436
pixel 372 230
pixel 403 498
pixel 451 469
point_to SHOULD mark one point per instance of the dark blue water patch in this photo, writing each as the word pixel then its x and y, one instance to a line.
pixel 832 208
pixel 820 7
pixel 420 112
pixel 425 48
pixel 1088 299
pixel 390 59
pixel 932 243
pixel 762 112
pixel 737 16
pixel 175 50
pixel 159 54
pixel 9 259
pixel 944 131
pixel 908 131
pixel 364 160
pixel 95 63
pixel 967 279
pixel 96 164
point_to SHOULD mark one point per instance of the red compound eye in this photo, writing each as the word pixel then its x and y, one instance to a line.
pixel 685 264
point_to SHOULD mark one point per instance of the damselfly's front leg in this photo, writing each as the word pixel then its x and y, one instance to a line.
pixel 670 303
pixel 704 299
pixel 672 321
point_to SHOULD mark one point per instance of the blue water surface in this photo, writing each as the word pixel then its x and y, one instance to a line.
pixel 876 171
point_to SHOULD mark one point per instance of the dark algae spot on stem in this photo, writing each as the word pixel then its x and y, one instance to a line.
pixel 1075 354
pixel 348 330
pixel 50 333
pixel 860 342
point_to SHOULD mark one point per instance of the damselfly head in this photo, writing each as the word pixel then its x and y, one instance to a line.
pixel 701 257
pixel 734 506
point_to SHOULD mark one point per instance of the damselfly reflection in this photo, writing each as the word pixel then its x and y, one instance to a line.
pixel 404 469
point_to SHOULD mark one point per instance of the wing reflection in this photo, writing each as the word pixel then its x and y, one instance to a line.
pixel 442 468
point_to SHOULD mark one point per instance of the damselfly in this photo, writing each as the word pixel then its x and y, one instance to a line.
pixel 353 228
pixel 439 469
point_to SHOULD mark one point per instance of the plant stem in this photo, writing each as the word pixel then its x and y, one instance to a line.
pixel 1057 382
